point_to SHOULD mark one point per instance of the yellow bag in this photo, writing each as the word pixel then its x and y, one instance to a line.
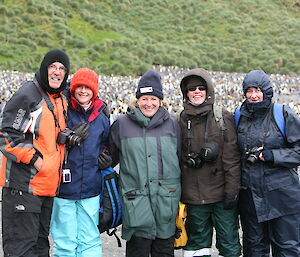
pixel 181 235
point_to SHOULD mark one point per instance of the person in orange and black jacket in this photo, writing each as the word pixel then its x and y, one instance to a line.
pixel 210 169
pixel 30 172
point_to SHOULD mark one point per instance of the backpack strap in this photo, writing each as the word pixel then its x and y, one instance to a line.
pixel 112 191
pixel 114 233
pixel 218 113
pixel 279 118
pixel 237 115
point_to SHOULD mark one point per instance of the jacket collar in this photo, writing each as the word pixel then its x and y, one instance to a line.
pixel 93 111
pixel 159 117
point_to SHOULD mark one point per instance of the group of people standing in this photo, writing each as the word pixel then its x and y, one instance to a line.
pixel 56 138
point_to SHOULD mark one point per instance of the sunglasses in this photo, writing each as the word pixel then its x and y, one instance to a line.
pixel 201 88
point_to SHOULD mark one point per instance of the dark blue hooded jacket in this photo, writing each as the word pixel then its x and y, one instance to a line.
pixel 83 160
pixel 275 183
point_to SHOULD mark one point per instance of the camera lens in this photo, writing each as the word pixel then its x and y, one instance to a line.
pixel 252 159
pixel 194 160
pixel 253 155
pixel 74 140
pixel 190 163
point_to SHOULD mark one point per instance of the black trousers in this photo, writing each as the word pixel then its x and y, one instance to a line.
pixel 25 224
pixel 143 247
pixel 280 234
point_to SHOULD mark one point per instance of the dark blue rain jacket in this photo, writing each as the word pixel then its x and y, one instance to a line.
pixel 83 160
pixel 274 185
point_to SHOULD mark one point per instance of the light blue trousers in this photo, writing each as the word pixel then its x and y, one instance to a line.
pixel 74 228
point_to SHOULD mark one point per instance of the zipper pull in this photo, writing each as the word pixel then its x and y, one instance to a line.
pixel 189 125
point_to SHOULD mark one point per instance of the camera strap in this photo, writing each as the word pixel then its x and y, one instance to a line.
pixel 50 105
pixel 217 115
pixel 189 132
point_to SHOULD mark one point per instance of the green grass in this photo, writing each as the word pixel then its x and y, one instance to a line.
pixel 87 31
pixel 129 36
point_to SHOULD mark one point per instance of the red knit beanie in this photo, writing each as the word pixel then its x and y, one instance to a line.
pixel 85 77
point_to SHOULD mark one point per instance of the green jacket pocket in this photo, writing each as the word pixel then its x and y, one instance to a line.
pixel 137 210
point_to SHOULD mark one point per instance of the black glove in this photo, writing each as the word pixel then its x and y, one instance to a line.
pixel 81 130
pixel 268 155
pixel 230 201
pixel 104 160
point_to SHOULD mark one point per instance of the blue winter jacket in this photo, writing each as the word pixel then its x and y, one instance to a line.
pixel 274 184
pixel 83 160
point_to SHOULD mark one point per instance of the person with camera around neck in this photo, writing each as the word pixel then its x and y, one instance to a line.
pixel 210 169
pixel 31 165
pixel 269 202
pixel 76 208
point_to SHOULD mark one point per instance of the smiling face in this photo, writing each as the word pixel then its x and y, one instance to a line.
pixel 83 94
pixel 197 94
pixel 148 104
pixel 56 74
pixel 254 95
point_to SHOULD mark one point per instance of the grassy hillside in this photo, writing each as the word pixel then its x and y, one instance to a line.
pixel 129 36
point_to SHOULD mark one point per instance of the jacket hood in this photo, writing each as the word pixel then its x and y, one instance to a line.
pixel 202 73
pixel 259 79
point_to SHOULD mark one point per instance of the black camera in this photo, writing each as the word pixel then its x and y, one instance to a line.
pixel 252 155
pixel 69 137
pixel 193 160
pixel 209 153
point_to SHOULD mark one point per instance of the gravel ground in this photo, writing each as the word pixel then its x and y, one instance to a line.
pixel 111 249
pixel 109 245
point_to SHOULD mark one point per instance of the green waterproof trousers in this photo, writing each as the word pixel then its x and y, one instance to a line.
pixel 201 219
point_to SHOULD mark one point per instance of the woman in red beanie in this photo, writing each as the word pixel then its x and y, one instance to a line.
pixel 75 210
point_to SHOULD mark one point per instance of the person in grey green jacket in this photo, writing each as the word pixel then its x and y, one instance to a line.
pixel 146 143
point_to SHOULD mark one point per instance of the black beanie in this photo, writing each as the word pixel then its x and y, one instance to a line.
pixel 150 84
pixel 52 56
pixel 194 81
